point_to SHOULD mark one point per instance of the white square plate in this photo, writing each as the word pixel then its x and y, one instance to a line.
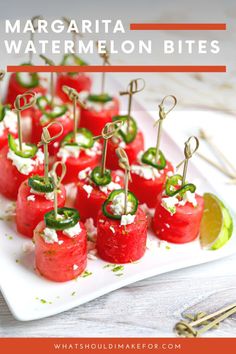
pixel 31 297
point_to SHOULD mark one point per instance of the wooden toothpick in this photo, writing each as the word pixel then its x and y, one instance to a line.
pixel 108 132
pixel 46 139
pixel 162 115
pixel 57 182
pixel 191 146
pixel 22 102
pixel 75 98
pixel 134 86
pixel 124 163
pixel 105 57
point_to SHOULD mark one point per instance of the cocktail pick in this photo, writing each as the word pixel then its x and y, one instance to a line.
pixel 187 329
pixel 2 75
pixel 134 86
pixel 191 146
pixel 34 22
pixel 162 115
pixel 74 33
pixel 57 182
pixel 124 163
pixel 108 132
pixel 75 98
pixel 51 63
pixel 22 102
pixel 46 139
pixel 105 57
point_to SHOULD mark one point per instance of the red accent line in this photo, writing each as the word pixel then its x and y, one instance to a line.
pixel 118 68
pixel 177 26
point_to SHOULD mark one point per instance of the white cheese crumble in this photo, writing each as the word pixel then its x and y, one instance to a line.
pixel 73 231
pixel 84 173
pixel 68 151
pixel 60 242
pixel 145 171
pixel 25 165
pixel 88 189
pixel 9 122
pixel 31 198
pixel 50 235
pixel 92 255
pixel 190 198
pixel 96 149
pixel 75 267
pixel 118 204
pixel 109 187
pixel 48 196
pixel 127 219
pixel 91 229
pixel 112 229
pixel 170 203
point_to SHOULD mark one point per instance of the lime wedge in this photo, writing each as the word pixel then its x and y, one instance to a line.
pixel 216 225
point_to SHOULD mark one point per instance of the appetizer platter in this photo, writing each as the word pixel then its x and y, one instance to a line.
pixel 90 196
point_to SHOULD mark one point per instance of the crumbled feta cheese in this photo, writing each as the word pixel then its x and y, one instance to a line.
pixel 88 189
pixel 49 235
pixel 127 219
pixel 109 187
pixel 98 107
pixel 73 231
pixel 84 173
pixel 117 179
pixel 145 171
pixel 112 229
pixel 49 196
pixel 190 198
pixel 31 198
pixel 92 254
pixel 60 242
pixel 75 267
pixel 170 204
pixel 39 157
pixel 96 149
pixel 9 122
pixel 23 165
pixel 68 151
pixel 148 211
pixel 91 229
pixel 118 204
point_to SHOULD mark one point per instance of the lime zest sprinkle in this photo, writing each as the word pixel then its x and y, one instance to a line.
pixel 86 274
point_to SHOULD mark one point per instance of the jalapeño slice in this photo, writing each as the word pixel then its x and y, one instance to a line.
pixel 127 133
pixel 149 157
pixel 102 98
pixel 172 186
pixel 84 138
pixel 32 80
pixel 72 59
pixel 29 152
pixel 131 198
pixel 38 184
pixel 45 107
pixel 3 111
pixel 98 178
pixel 66 218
